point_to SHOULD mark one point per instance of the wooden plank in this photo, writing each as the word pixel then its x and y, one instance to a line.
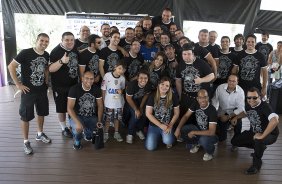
pixel 119 162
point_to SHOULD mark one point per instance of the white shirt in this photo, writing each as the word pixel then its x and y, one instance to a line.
pixel 226 101
pixel 111 84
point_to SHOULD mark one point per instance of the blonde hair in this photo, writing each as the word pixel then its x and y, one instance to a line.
pixel 168 95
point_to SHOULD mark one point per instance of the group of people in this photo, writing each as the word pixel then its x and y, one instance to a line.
pixel 156 82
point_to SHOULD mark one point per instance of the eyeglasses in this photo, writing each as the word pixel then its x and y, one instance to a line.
pixel 252 97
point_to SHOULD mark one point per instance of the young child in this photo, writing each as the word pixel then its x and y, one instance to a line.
pixel 112 90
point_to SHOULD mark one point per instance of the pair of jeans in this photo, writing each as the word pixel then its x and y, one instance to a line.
pixel 134 124
pixel 207 142
pixel 153 136
pixel 88 123
pixel 222 129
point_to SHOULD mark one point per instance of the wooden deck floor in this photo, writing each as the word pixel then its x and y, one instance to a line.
pixel 118 162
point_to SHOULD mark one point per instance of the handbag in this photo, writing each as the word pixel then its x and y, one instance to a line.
pixel 98 138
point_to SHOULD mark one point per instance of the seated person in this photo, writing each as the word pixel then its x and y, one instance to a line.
pixel 162 110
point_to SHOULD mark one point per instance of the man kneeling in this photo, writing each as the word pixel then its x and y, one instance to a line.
pixel 202 133
pixel 83 100
pixel 263 130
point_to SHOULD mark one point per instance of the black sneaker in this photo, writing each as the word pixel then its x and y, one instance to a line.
pixel 234 148
pixel 77 147
pixel 67 133
pixel 251 170
pixel 86 138
pixel 27 148
pixel 44 138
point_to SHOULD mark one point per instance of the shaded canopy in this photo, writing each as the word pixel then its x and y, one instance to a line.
pixel 224 11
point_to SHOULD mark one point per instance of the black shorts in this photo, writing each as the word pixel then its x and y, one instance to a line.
pixel 40 100
pixel 61 100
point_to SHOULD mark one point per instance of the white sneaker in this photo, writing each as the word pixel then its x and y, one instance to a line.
pixel 118 137
pixel 129 139
pixel 106 137
pixel 169 146
pixel 207 157
pixel 140 135
pixel 180 139
pixel 195 149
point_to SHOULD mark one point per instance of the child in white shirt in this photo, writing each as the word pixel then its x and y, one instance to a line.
pixel 112 90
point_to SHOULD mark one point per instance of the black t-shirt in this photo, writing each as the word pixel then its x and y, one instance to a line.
pixel 133 65
pixel 33 68
pixel 265 49
pixel 171 66
pixel 85 101
pixel 258 117
pixel 90 60
pixel 124 44
pixel 225 65
pixel 110 57
pixel 178 50
pixel 67 75
pixel 80 45
pixel 188 72
pixel 201 52
pixel 235 51
pixel 137 93
pixel 204 116
pixel 214 49
pixel 157 20
pixel 161 112
pixel 156 75
pixel 249 69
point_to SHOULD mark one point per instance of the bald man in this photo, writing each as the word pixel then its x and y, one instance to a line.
pixel 81 43
pixel 202 132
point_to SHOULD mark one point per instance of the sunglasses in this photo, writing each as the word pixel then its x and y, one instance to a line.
pixel 252 97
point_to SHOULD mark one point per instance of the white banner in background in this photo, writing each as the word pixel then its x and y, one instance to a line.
pixel 94 21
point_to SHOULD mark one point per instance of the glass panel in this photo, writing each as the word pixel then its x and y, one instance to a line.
pixel 191 29
pixel 272 5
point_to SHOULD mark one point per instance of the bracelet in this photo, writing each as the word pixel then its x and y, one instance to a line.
pixel 61 62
